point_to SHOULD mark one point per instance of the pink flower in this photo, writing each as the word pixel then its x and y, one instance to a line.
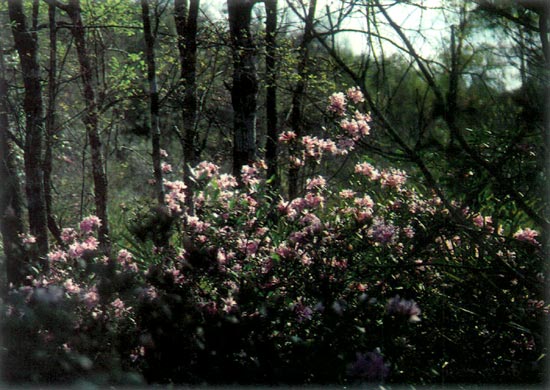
pixel 249 175
pixel 366 201
pixel 393 178
pixel 166 168
pixel 229 304
pixel 89 223
pixel 206 170
pixel 367 170
pixel 68 235
pixel 483 222
pixel 287 136
pixel 527 235
pixel 120 307
pixel 124 256
pixel 27 239
pixel 90 244
pixel 382 232
pixel 355 95
pixel 91 298
pixel 71 287
pixel 347 194
pixel 337 103
pixel 318 182
pixel 226 181
pixel 57 255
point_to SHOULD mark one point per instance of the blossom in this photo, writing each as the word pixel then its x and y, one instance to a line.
pixel 287 136
pixel 355 95
pixel 206 170
pixel 166 168
pixel 163 153
pixel 90 223
pixel 337 103
pixel 57 255
pixel 369 366
pixel 527 235
pixel 346 194
pixel 302 311
pixel 91 298
pixel 120 307
pixel 483 222
pixel 226 181
pixel 382 232
pixel 229 304
pixel 68 235
pixel 367 170
pixel 71 287
pixel 249 175
pixel 316 182
pixel 175 195
pixel 393 178
pixel 403 307
pixel 27 239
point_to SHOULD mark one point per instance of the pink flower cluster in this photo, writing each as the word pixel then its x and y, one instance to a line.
pixel 337 103
pixel 90 223
pixel 527 235
pixel 205 170
pixel 175 195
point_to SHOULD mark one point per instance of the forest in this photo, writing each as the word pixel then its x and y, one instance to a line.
pixel 274 192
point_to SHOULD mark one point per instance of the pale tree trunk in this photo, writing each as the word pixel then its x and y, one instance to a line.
pixel 296 120
pixel 153 100
pixel 90 119
pixel 244 90
pixel 185 16
pixel 26 43
pixel 16 259
pixel 271 92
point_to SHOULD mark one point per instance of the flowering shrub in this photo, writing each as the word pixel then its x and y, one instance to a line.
pixel 372 282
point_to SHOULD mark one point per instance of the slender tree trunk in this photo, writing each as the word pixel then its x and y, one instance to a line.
pixel 51 126
pixel 271 92
pixel 153 100
pixel 11 202
pixel 26 43
pixel 296 120
pixel 244 90
pixel 185 16
pixel 91 121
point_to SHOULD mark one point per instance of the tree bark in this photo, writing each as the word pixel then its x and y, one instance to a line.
pixel 271 92
pixel 11 201
pixel 51 129
pixel 245 83
pixel 26 44
pixel 296 120
pixel 91 121
pixel 153 100
pixel 185 16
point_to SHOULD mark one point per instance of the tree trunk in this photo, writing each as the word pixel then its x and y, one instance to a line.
pixel 245 83
pixel 51 126
pixel 296 121
pixel 26 43
pixel 185 16
pixel 271 92
pixel 11 202
pixel 91 122
pixel 153 100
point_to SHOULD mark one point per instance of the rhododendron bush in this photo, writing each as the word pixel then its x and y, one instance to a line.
pixel 373 281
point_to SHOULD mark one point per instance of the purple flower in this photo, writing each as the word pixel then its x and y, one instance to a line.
pixel 403 307
pixel 369 367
